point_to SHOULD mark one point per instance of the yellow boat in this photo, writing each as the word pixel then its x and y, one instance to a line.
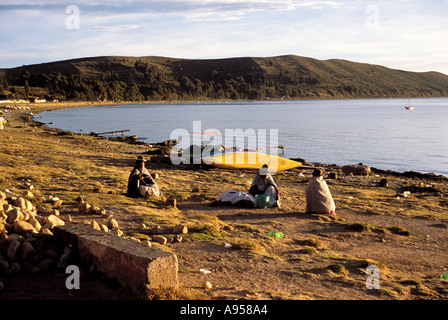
pixel 249 160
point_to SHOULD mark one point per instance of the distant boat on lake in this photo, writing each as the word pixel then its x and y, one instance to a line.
pixel 408 107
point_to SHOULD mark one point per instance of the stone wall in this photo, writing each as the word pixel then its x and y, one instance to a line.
pixel 132 263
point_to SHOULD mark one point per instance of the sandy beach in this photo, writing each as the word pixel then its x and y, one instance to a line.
pixel 320 257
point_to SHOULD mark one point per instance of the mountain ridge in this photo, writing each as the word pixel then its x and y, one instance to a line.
pixel 164 78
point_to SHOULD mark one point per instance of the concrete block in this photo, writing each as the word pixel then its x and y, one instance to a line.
pixel 132 263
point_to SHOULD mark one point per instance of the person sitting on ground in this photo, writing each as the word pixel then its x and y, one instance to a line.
pixel 264 183
pixel 318 195
pixel 140 182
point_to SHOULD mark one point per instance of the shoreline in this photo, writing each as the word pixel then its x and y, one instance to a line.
pixel 48 106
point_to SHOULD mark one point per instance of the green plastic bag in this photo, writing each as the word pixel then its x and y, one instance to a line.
pixel 444 276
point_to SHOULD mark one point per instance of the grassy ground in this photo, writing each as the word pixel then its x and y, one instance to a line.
pixel 319 257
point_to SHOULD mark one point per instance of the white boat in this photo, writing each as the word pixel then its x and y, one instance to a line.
pixel 408 107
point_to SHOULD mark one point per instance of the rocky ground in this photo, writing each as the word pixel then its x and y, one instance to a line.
pixel 401 227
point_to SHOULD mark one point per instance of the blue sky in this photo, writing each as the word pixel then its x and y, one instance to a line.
pixel 408 35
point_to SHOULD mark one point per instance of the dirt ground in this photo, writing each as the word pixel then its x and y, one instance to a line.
pixel 331 267
pixel 320 257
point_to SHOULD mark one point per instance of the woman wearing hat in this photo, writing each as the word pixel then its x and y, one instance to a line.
pixel 318 196
pixel 140 182
pixel 263 183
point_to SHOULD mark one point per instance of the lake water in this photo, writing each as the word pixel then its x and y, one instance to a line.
pixel 380 133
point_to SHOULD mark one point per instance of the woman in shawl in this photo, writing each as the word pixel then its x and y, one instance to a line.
pixel 140 182
pixel 264 183
pixel 318 196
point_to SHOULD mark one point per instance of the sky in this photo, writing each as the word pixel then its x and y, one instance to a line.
pixel 409 35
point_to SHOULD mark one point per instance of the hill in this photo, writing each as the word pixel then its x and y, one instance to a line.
pixel 162 78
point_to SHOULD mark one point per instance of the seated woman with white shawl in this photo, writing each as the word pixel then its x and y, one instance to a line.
pixel 263 183
pixel 318 196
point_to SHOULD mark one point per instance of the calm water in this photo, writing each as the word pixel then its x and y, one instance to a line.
pixel 377 132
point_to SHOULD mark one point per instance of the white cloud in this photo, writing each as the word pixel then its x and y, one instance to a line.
pixel 189 9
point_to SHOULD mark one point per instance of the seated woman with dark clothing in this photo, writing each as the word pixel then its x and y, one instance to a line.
pixel 140 182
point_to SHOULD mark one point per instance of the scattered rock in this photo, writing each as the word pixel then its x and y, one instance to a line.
pixel 207 285
pixel 49 225
pixel 383 183
pixel 41 209
pixel 112 223
pixel 23 203
pixel 22 227
pixel 94 210
pixel 46 231
pixel 55 220
pixel 180 229
pixel 26 250
pixel 12 250
pixel 84 207
pixel 159 239
pixel 14 267
pixel 171 202
pixel 177 238
pixel 332 175
pixel 95 225
pixel 54 201
pixel 45 264
pixel 154 229
pixel 14 215
pixel 14 236
pixel 117 232
pixel 79 200
pixel 356 169
pixel 28 194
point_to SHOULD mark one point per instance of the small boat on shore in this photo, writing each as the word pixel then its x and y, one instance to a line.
pixel 249 160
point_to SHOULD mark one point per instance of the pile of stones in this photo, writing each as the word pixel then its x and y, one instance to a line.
pixel 26 239
pixel 27 244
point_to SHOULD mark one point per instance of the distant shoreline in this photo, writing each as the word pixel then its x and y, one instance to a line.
pixel 49 106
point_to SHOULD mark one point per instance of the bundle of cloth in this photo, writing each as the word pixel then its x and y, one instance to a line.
pixel 237 198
